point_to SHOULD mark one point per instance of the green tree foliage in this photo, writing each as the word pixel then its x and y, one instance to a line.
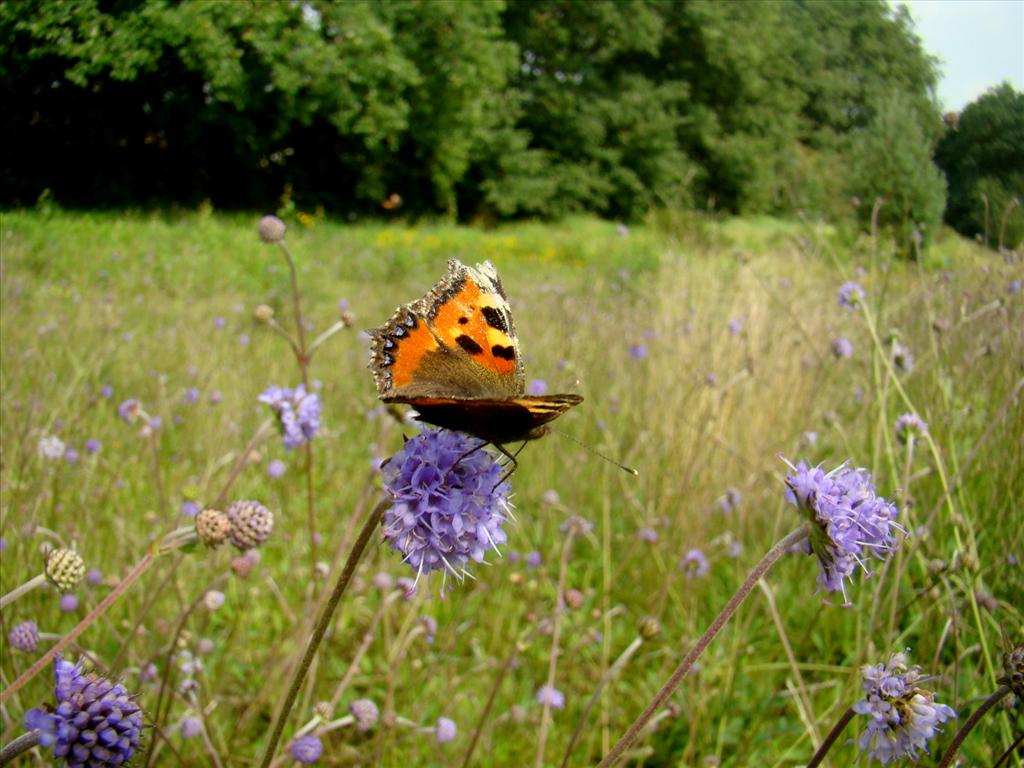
pixel 891 161
pixel 983 158
pixel 491 109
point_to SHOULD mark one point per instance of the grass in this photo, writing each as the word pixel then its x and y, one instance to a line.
pixel 153 305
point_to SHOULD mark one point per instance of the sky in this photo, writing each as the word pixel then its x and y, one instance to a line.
pixel 980 43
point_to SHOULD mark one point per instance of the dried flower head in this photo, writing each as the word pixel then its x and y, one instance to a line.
pixel 298 413
pixel 24 637
pixel 909 427
pixel 96 723
pixel 848 520
pixel 251 524
pixel 271 229
pixel 212 527
pixel 365 713
pixel 307 749
pixel 65 569
pixel 449 506
pixel 1013 665
pixel 903 716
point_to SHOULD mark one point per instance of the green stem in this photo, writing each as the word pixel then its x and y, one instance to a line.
pixel 830 739
pixel 321 629
pixel 769 560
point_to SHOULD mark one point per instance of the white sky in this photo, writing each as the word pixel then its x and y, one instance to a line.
pixel 980 43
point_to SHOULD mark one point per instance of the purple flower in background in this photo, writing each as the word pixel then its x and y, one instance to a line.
pixel 218 322
pixel 533 559
pixel 68 603
pixel 449 507
pixel 842 347
pixel 902 717
pixel 216 397
pixel 93 446
pixel 191 727
pixel 189 508
pixel 307 749
pixel 129 410
pixel 94 576
pixel 191 395
pixel 24 637
pixel 429 627
pixel 71 456
pixel 902 358
pixel 276 468
pixel 647 534
pixel 445 730
pixel 107 392
pixel 1014 286
pixel 95 722
pixel 735 326
pixel 730 500
pixel 537 387
pixel 638 351
pixel 910 426
pixel 298 413
pixel 694 564
pixel 243 339
pixel 551 696
pixel 155 423
pixel 851 294
pixel 849 521
pixel 365 713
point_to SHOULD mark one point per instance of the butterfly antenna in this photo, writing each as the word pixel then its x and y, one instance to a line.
pixel 594 451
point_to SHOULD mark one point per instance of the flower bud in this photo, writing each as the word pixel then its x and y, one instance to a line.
pixel 264 313
pixel 271 229
pixel 251 524
pixel 212 527
pixel 649 628
pixel 65 569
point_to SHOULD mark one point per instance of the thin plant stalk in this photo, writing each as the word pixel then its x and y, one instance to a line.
pixel 24 589
pixel 831 738
pixel 18 746
pixel 320 630
pixel 545 717
pixel 947 758
pixel 773 556
pixel 613 670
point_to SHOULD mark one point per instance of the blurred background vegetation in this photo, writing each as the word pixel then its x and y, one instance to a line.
pixel 498 110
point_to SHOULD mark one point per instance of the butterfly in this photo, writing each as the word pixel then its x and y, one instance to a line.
pixel 453 355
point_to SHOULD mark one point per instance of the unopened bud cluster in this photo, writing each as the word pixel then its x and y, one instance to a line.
pixel 65 569
pixel 246 524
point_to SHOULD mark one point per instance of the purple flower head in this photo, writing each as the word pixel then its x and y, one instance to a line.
pixel 730 500
pixel 551 696
pixel 365 713
pixel 647 534
pixel 694 564
pixel 1014 286
pixel 307 749
pixel 902 358
pixel 218 322
pixel 448 507
pixel 95 722
pixel 93 446
pixel 24 637
pixel 851 294
pixel 735 326
pixel 68 603
pixel 909 427
pixel 298 413
pixel 190 508
pixel 534 559
pixel 841 348
pixel 191 395
pixel 71 456
pixel 849 521
pixel 276 468
pixel 429 627
pixel 191 727
pixel 155 423
pixel 902 717
pixel 216 397
pixel 445 730
pixel 107 392
pixel 129 410
pixel 638 351
pixel 537 387
pixel 94 576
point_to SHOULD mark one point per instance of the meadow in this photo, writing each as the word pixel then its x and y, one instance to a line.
pixel 707 349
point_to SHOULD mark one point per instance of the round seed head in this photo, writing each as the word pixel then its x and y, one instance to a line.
pixel 271 229
pixel 212 527
pixel 649 628
pixel 65 569
pixel 264 313
pixel 251 524
pixel 24 637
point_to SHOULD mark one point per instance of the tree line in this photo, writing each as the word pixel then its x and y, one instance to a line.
pixel 477 111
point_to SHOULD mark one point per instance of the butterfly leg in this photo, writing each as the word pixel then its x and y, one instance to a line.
pixel 512 460
pixel 470 452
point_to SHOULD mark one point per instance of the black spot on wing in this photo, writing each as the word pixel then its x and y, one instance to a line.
pixel 495 318
pixel 463 320
pixel 469 345
pixel 506 353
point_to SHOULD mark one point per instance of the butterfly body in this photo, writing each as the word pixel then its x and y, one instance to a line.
pixel 453 355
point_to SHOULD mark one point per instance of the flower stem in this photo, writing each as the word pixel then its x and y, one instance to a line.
pixel 93 615
pixel 321 629
pixel 769 560
pixel 830 739
pixel 19 746
pixel 968 726
pixel 28 586
pixel 486 711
